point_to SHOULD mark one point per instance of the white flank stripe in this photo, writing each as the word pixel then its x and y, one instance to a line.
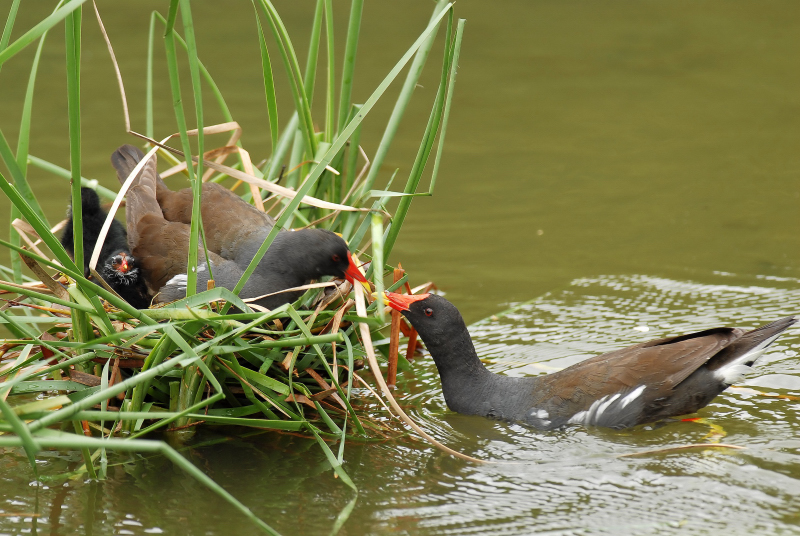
pixel 632 396
pixel 178 280
pixel 605 405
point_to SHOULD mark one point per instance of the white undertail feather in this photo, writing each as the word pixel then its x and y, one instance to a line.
pixel 736 370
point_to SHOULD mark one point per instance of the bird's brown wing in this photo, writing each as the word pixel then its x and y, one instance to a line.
pixel 227 219
pixel 660 364
pixel 160 247
pixel 164 253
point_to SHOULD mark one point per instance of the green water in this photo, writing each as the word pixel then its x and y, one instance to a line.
pixel 623 164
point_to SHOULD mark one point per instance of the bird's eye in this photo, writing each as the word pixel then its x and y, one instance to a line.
pixel 336 258
pixel 428 311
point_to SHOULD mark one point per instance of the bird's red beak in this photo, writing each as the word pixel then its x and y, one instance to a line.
pixel 353 274
pixel 401 302
pixel 123 265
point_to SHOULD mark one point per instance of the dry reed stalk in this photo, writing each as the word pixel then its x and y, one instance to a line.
pixel 394 337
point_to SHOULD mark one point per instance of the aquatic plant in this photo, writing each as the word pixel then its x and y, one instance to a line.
pixel 83 370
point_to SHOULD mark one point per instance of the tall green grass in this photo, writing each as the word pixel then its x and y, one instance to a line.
pixel 194 362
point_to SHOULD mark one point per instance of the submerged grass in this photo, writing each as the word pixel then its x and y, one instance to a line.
pixel 86 371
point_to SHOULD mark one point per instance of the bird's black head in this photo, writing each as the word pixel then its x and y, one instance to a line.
pixel 437 321
pixel 120 268
pixel 320 252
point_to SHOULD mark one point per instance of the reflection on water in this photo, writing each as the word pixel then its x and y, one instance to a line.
pixel 567 481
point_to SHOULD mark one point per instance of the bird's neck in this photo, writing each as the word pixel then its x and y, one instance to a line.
pixel 467 385
pixel 286 256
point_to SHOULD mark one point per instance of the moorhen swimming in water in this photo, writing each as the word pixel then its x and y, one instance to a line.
pixel 635 385
pixel 159 226
pixel 116 265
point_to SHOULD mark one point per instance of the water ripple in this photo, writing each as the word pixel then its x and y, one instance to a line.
pixel 573 481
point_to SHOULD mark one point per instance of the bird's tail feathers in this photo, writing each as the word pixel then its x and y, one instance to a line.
pixel 732 363
pixel 141 198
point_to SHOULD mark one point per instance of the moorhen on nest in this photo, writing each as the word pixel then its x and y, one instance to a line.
pixel 639 384
pixel 116 265
pixel 159 226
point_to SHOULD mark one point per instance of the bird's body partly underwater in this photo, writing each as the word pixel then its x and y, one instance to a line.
pixel 116 265
pixel 159 229
pixel 643 383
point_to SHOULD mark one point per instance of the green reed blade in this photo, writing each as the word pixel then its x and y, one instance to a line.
pixel 177 415
pixel 197 187
pixel 377 257
pixel 293 70
pixel 330 91
pixel 337 145
pixel 177 105
pixel 310 75
pixel 269 86
pixel 223 106
pixel 46 297
pixel 349 64
pixel 425 147
pixel 148 88
pixel 20 184
pixel 23 139
pixel 402 100
pixel 71 441
pixel 58 171
pixel 352 157
pixel 73 48
pixel 21 429
pixel 456 50
pixel 87 455
pixel 273 167
pixel 34 33
pixel 82 358
pixel 9 25
pixel 19 330
pixel 337 467
pixel 172 16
